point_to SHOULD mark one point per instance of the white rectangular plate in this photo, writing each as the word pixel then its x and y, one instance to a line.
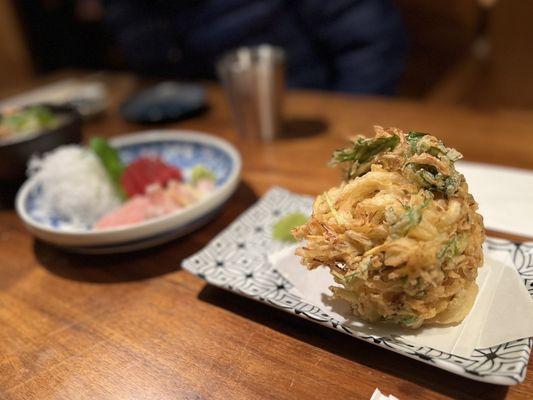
pixel 237 260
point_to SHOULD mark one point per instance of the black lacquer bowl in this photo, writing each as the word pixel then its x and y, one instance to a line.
pixel 16 151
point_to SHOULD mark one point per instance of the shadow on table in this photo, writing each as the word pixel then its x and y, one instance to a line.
pixel 296 127
pixel 358 351
pixel 8 191
pixel 143 264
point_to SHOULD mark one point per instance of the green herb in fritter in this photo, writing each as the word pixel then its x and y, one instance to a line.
pixel 453 248
pixel 411 218
pixel 359 157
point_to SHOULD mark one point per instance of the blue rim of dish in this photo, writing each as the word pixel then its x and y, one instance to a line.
pixel 167 235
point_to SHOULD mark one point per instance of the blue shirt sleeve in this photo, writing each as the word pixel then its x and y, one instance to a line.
pixel 363 42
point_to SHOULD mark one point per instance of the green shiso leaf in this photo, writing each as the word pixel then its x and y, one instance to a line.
pixel 282 229
pixel 111 162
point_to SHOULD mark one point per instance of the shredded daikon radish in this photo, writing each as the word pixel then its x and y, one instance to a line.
pixel 75 186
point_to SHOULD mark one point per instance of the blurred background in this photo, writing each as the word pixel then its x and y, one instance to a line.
pixel 475 53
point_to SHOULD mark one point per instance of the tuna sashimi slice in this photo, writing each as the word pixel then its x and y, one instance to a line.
pixel 146 171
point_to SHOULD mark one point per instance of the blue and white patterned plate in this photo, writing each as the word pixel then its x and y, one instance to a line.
pixel 237 260
pixel 183 149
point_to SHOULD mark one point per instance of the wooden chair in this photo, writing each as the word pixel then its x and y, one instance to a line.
pixel 476 53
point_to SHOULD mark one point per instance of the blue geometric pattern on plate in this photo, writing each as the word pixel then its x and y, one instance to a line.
pixel 183 154
pixel 237 260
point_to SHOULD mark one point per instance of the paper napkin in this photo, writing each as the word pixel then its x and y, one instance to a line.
pixel 504 195
pixel 503 310
pixel 377 395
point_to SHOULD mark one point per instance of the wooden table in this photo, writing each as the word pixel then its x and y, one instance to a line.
pixel 135 326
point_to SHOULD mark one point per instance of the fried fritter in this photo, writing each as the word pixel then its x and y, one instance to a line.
pixel 400 234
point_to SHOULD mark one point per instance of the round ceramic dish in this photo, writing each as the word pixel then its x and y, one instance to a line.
pixel 183 149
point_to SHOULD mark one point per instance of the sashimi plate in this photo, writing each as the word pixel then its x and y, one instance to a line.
pixel 237 260
pixel 179 148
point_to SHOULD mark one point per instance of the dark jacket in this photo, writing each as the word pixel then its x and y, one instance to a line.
pixel 346 45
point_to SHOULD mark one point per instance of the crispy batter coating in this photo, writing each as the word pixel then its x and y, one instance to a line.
pixel 401 234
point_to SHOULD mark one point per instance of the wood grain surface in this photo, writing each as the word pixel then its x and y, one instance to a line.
pixel 135 326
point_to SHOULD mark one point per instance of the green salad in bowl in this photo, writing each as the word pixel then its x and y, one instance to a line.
pixel 17 122
pixel 32 130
